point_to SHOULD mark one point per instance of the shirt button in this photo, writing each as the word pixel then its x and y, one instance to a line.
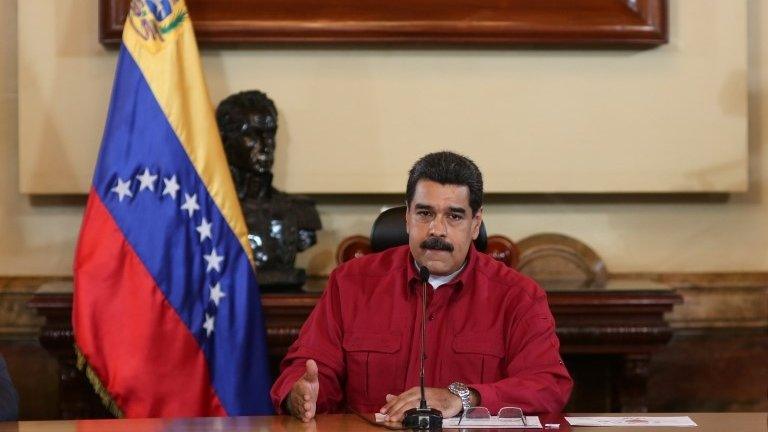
pixel 431 317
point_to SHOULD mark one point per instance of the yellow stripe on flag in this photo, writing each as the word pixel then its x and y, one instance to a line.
pixel 170 63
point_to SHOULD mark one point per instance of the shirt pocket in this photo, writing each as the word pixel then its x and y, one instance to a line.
pixel 477 359
pixel 372 366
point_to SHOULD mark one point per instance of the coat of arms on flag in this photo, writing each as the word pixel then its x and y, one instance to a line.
pixel 167 312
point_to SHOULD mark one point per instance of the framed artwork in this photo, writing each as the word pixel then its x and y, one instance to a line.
pixel 512 23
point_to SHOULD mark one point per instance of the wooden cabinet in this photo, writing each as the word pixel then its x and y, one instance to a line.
pixel 607 338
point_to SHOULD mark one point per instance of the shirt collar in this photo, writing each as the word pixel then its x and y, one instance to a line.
pixel 457 281
pixel 438 281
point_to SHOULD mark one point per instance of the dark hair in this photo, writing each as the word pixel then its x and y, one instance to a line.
pixel 447 168
pixel 232 112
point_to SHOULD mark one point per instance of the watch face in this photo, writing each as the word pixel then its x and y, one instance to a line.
pixel 458 388
pixel 462 391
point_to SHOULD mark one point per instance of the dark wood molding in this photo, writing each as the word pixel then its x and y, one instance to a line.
pixel 559 23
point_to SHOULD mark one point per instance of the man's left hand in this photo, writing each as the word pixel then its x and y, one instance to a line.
pixel 438 398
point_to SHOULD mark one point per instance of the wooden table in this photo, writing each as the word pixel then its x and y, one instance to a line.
pixel 613 330
pixel 708 422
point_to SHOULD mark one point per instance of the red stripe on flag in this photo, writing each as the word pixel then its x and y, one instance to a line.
pixel 133 339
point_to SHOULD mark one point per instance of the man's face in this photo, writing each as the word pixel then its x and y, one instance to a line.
pixel 441 226
pixel 255 149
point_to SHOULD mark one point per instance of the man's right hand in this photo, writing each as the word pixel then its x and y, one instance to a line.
pixel 302 400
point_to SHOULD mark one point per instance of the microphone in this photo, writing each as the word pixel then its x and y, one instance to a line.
pixel 423 417
pixel 424 274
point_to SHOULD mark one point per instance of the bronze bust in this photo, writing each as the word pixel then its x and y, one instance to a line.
pixel 279 224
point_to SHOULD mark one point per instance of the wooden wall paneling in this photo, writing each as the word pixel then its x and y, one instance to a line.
pixel 628 326
pixel 35 376
pixel 77 399
pixel 712 369
pixel 32 370
pixel 718 343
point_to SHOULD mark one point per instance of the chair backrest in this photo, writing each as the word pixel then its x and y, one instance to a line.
pixel 558 261
pixel 389 231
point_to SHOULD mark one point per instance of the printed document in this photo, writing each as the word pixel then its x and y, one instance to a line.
pixel 631 421
pixel 493 422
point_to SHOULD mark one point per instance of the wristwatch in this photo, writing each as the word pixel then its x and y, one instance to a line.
pixel 462 391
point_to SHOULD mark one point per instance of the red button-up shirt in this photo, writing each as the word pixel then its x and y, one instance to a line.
pixel 490 328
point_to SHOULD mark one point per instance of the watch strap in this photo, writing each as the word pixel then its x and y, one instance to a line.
pixel 462 391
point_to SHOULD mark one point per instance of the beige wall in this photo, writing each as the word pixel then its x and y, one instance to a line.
pixel 37 237
pixel 34 239
pixel 352 120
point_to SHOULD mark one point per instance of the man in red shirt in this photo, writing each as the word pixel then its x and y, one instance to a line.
pixel 490 335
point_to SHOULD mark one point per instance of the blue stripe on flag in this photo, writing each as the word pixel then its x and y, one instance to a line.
pixel 139 138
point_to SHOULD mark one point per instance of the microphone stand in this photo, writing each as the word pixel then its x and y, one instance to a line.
pixel 423 417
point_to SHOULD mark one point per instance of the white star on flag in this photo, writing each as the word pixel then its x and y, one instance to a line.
pixel 205 230
pixel 190 204
pixel 217 294
pixel 147 180
pixel 214 261
pixel 122 189
pixel 171 186
pixel 208 325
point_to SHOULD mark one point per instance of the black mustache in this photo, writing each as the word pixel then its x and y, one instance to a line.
pixel 436 243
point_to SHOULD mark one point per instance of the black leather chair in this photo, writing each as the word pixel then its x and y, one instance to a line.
pixel 389 231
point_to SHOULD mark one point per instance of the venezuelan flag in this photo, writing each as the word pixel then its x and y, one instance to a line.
pixel 167 311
